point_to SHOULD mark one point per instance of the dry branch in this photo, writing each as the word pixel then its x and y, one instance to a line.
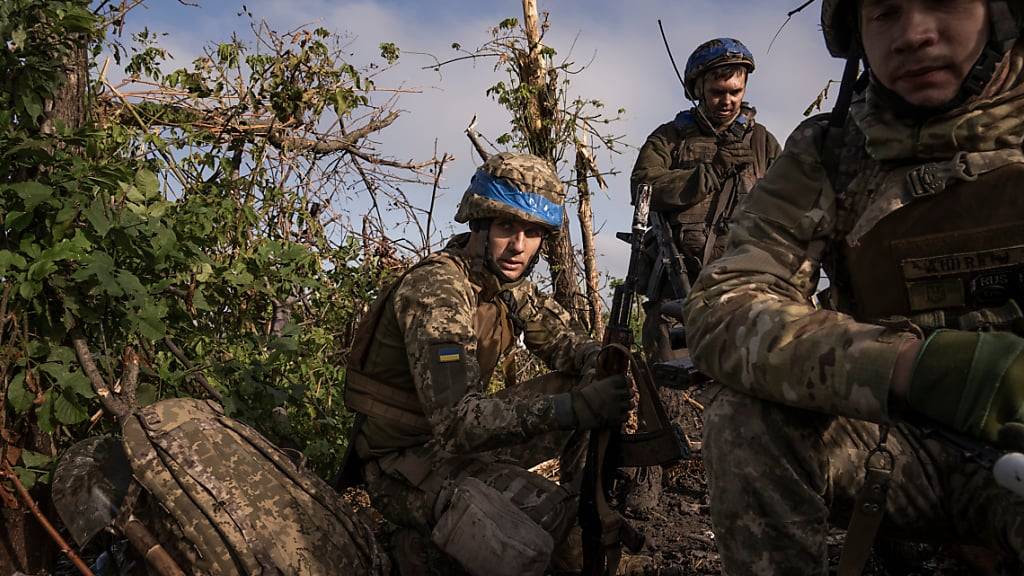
pixel 26 498
pixel 111 403
pixel 196 374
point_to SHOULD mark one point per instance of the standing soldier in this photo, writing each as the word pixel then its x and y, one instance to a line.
pixel 442 457
pixel 699 166
pixel 911 202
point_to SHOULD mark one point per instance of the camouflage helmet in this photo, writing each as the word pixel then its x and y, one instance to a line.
pixel 522 186
pixel 839 24
pixel 714 54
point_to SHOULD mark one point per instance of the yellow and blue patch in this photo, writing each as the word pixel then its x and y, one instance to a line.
pixel 449 354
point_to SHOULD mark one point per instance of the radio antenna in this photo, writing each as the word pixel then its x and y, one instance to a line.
pixel 673 60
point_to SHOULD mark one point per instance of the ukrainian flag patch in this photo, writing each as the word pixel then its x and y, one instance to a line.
pixel 449 354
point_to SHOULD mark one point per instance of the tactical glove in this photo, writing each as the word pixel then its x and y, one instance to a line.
pixel 731 157
pixel 970 381
pixel 601 403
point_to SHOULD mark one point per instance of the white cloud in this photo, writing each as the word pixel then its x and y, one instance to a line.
pixel 628 68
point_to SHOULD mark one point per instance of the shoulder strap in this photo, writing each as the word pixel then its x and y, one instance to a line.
pixel 368 324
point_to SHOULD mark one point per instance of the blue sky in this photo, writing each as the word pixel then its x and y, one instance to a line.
pixel 629 69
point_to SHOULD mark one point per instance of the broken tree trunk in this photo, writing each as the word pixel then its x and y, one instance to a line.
pixel 540 116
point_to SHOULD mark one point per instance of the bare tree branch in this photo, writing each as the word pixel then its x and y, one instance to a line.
pixel 474 137
pixel 197 375
pixel 111 403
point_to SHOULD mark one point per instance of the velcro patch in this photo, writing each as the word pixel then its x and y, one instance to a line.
pixel 449 354
pixel 448 372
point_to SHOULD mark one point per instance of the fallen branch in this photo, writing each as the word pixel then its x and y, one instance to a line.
pixel 196 374
pixel 689 400
pixel 111 403
pixel 26 498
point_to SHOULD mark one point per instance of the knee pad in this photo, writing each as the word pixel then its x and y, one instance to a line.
pixel 488 535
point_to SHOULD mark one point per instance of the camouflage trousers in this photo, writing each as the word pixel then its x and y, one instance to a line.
pixel 412 488
pixel 777 477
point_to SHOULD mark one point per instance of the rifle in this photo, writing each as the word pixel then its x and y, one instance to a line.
pixel 658 443
pixel 678 373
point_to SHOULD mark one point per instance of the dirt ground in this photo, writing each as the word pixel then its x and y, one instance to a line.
pixel 672 513
pixel 674 516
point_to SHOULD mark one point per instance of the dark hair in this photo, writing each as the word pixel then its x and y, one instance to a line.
pixel 726 72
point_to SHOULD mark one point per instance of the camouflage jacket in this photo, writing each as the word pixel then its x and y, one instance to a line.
pixel 752 324
pixel 430 339
pixel 676 161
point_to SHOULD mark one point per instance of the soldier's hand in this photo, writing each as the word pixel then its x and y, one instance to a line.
pixel 972 382
pixel 602 403
pixel 731 157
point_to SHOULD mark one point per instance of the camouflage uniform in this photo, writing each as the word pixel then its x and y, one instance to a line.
pixel 676 162
pixel 436 344
pixel 786 437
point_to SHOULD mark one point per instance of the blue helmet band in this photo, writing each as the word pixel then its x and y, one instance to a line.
pixel 536 206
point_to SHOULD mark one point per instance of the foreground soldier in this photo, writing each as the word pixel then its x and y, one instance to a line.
pixel 700 165
pixel 442 457
pixel 914 209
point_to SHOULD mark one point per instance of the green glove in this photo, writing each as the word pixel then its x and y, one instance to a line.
pixel 601 403
pixel 970 381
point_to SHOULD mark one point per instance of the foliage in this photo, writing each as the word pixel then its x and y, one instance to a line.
pixel 197 211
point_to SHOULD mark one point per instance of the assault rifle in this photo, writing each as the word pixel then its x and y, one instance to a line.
pixel 678 373
pixel 656 443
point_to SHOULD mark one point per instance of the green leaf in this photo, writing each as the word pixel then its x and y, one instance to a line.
pixel 147 183
pixel 10 260
pixel 96 213
pixel 62 251
pixel 44 413
pixel 32 104
pixel 33 193
pixel 41 269
pixel 28 289
pixel 61 354
pixel 26 476
pixel 100 265
pixel 18 396
pixel 17 220
pixel 68 410
pixel 199 301
pixel 35 459
pixel 79 384
pixel 150 321
pixel 131 285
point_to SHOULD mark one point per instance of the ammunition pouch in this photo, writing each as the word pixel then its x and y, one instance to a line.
pixel 488 535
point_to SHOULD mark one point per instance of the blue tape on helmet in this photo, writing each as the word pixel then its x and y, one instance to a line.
pixel 537 206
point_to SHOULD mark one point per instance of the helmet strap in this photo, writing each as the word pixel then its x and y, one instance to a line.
pixel 1004 32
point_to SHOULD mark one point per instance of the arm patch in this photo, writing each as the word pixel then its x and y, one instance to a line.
pixel 447 366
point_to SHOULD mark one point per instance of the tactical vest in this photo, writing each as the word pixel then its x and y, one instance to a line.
pixel 940 243
pixel 697 147
pixel 393 400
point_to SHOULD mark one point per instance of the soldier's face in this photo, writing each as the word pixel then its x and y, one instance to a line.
pixel 513 244
pixel 723 97
pixel 923 49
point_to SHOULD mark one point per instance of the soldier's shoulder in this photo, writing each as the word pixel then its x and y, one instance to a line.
pixel 684 124
pixel 435 274
pixel 810 133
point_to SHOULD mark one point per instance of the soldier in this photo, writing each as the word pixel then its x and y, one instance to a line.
pixel 911 203
pixel 442 456
pixel 700 165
